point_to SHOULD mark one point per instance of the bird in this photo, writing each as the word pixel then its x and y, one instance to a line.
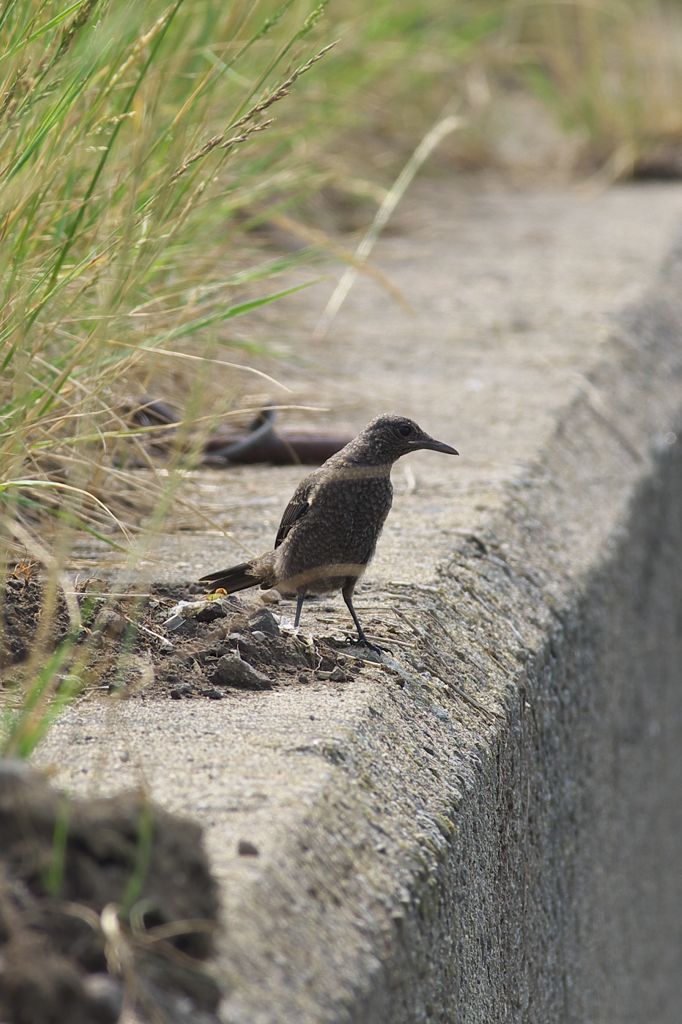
pixel 330 528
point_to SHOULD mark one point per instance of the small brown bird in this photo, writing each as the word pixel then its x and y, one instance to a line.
pixel 330 527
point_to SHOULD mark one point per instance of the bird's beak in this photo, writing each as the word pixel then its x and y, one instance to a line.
pixel 437 446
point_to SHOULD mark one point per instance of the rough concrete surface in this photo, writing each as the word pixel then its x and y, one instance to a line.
pixel 421 859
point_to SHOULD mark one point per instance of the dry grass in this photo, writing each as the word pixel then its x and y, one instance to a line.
pixel 129 144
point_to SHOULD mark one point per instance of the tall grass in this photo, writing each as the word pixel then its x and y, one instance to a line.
pixel 129 142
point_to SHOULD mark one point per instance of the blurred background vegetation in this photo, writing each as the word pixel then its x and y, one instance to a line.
pixel 147 150
pixel 601 80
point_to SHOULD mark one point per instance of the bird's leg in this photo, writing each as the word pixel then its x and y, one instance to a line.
pixel 299 606
pixel 348 598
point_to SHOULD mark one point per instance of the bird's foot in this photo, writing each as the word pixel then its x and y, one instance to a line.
pixel 364 642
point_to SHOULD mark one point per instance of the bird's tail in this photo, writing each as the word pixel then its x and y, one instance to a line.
pixel 237 577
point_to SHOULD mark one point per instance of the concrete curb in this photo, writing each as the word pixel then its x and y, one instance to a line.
pixel 427 862
pixel 527 870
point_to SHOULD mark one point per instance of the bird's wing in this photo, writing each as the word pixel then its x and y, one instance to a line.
pixel 297 507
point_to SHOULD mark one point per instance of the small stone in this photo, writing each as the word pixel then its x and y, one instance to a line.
pixel 236 637
pixel 110 623
pixel 265 622
pixel 220 631
pixel 181 660
pixel 247 849
pixel 337 675
pixel 213 610
pixel 211 693
pixel 175 694
pixel 302 677
pixel 231 670
pixel 258 635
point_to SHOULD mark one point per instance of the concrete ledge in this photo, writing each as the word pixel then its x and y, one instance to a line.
pixel 422 861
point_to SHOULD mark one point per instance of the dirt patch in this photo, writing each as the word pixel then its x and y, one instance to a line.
pixel 242 649
pixel 65 868
pixel 26 617
pixel 126 646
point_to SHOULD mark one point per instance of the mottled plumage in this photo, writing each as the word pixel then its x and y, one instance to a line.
pixel 330 527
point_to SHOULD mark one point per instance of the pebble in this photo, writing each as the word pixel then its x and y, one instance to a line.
pixel 231 670
pixel 211 693
pixel 214 610
pixel 110 623
pixel 247 849
pixel 337 675
pixel 181 691
pixel 265 622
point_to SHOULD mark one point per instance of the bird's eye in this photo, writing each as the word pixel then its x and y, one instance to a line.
pixel 404 430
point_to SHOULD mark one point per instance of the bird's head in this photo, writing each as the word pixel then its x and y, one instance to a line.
pixel 388 437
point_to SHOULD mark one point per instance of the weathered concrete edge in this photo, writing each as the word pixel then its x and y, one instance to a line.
pixel 463 889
